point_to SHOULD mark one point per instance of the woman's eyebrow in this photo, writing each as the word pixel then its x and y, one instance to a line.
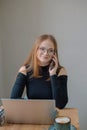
pixel 46 48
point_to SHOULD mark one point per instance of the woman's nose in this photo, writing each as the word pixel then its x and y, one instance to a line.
pixel 46 52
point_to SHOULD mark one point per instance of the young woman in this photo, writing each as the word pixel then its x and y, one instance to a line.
pixel 42 74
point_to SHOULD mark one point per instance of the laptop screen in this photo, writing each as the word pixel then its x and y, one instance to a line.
pixel 29 111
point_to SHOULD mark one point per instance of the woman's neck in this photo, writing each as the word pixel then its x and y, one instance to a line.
pixel 43 64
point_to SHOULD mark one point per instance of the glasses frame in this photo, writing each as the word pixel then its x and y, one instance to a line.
pixel 49 51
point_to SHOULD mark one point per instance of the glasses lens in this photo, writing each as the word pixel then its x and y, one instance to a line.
pixel 51 52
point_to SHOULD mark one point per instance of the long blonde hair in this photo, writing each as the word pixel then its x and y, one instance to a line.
pixel 32 58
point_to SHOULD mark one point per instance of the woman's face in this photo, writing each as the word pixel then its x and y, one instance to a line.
pixel 45 52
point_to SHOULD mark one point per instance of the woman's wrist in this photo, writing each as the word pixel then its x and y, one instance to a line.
pixel 52 73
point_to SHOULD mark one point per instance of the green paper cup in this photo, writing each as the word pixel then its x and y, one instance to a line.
pixel 62 123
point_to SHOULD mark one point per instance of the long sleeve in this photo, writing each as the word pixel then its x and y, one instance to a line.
pixel 59 90
pixel 18 86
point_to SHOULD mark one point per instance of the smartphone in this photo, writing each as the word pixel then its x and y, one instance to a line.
pixel 52 64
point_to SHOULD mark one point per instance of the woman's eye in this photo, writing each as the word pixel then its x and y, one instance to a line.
pixel 42 48
pixel 51 50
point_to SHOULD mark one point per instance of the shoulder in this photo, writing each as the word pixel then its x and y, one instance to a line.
pixel 62 71
pixel 23 70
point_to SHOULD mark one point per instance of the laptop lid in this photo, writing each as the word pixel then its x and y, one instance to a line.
pixel 29 111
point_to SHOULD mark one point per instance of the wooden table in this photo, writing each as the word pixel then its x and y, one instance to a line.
pixel 70 112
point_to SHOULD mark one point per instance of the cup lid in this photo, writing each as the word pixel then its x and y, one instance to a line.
pixel 62 119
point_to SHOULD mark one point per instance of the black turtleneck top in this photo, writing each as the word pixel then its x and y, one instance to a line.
pixel 44 87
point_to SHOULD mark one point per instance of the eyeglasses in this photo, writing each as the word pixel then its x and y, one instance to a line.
pixel 49 51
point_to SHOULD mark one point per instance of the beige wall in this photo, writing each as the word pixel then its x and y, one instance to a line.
pixel 1 74
pixel 24 20
pixel 1 63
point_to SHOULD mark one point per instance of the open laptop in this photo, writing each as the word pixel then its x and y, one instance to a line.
pixel 29 111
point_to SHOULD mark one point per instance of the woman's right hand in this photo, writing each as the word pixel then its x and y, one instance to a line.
pixel 23 70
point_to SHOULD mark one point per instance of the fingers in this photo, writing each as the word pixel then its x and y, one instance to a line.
pixel 54 69
pixel 55 60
